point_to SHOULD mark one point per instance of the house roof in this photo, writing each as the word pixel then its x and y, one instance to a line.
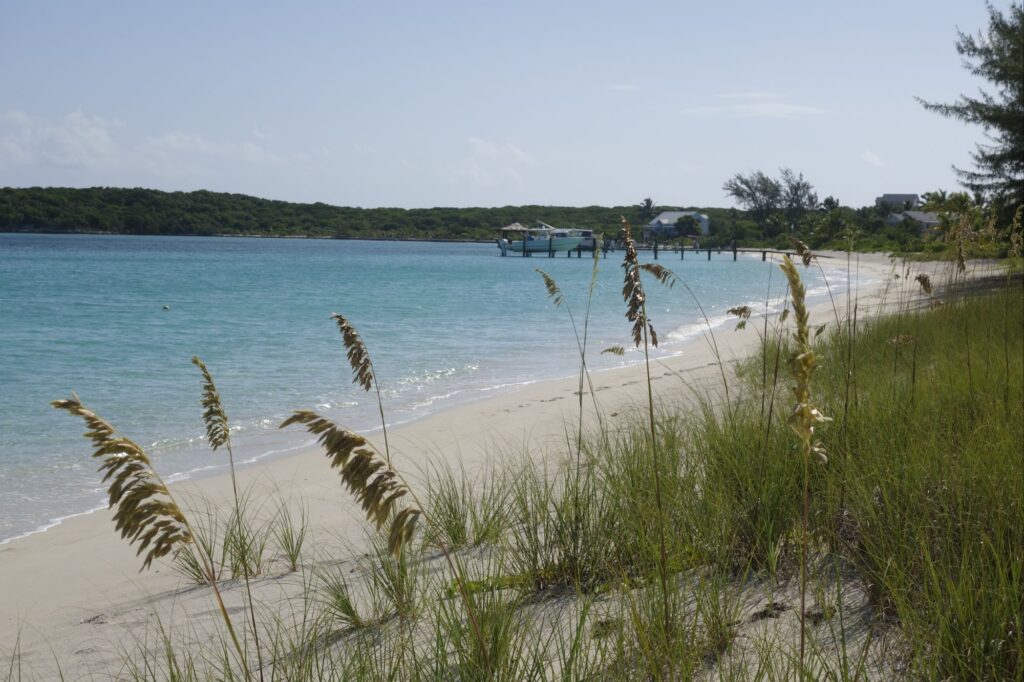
pixel 672 217
pixel 923 217
pixel 898 199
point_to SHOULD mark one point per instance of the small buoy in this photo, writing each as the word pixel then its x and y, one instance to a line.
pixel 167 307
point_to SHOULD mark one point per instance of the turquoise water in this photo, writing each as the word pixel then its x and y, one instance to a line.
pixel 444 323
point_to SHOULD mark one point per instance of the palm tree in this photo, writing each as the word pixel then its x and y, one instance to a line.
pixel 647 210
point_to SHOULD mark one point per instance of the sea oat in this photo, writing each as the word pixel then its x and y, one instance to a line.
pixel 214 416
pixel 146 513
pixel 632 288
pixel 553 291
pixel 804 416
pixel 802 250
pixel 370 479
pixel 743 312
pixel 358 357
pixel 1017 234
pixel 803 361
pixel 660 273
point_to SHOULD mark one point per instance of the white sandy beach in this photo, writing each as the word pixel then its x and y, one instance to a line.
pixel 74 595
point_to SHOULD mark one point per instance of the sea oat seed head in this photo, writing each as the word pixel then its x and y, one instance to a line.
pixel 633 290
pixel 370 479
pixel 146 514
pixel 214 416
pixel 358 357
pixel 802 250
pixel 554 293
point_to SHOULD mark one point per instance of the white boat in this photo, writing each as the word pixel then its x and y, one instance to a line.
pixel 591 240
pixel 541 239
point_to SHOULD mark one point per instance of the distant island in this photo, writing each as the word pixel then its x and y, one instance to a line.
pixel 138 211
pixel 147 211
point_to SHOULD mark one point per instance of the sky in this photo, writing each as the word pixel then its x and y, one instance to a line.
pixel 484 103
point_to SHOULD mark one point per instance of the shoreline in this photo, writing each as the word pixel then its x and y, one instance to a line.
pixel 264 450
pixel 59 583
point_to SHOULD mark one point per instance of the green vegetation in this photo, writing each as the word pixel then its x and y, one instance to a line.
pixel 738 535
pixel 146 211
pixel 908 497
pixel 998 57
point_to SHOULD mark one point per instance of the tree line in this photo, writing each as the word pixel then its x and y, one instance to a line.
pixel 146 211
pixel 788 209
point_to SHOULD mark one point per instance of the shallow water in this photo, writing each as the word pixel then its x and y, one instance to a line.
pixel 116 319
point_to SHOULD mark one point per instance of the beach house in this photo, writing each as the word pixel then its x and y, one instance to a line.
pixel 663 227
pixel 898 201
pixel 925 220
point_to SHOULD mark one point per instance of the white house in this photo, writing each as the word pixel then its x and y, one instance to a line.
pixel 664 226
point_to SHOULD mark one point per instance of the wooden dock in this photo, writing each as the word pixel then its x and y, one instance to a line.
pixel 682 251
pixel 734 250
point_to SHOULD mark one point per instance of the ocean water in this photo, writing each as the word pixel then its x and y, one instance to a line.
pixel 117 319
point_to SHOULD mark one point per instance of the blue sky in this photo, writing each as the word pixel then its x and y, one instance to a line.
pixel 483 103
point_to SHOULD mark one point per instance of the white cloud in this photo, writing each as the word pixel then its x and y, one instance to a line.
pixel 489 164
pixel 185 147
pixel 872 159
pixel 259 133
pixel 519 154
pixel 179 142
pixel 75 140
pixel 473 172
pixel 251 152
pixel 493 151
pixel 622 87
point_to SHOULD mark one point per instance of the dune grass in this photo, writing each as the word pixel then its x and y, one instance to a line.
pixel 663 549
